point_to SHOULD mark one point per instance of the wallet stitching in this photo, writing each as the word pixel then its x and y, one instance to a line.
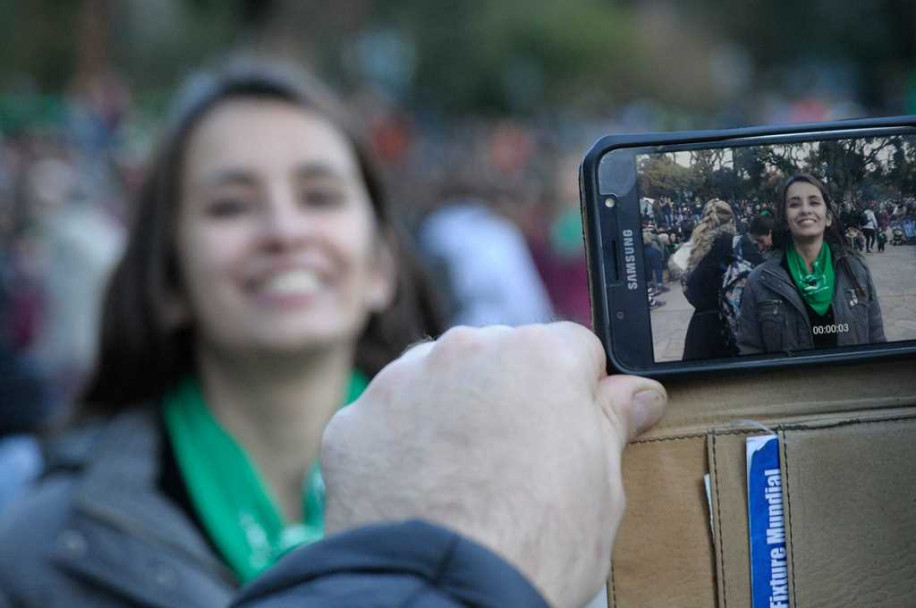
pixel 715 469
pixel 788 514
pixel 789 426
pixel 842 423
pixel 700 435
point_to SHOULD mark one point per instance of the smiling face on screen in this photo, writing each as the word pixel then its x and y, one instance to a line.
pixel 807 215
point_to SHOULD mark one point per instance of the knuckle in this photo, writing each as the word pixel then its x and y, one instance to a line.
pixel 575 345
pixel 459 336
pixel 460 340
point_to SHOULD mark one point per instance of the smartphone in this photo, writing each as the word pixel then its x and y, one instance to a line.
pixel 753 248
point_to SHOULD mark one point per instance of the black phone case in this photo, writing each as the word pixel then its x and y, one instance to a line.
pixel 591 200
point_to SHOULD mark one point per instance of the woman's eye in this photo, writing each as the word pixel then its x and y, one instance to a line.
pixel 228 207
pixel 323 197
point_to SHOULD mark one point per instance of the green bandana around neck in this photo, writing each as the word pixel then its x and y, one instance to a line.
pixel 817 286
pixel 235 507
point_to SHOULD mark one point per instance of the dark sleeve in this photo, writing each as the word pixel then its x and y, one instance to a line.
pixel 404 564
pixel 704 283
pixel 749 338
pixel 875 318
pixel 695 286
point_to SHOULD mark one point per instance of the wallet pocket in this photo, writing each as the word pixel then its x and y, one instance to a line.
pixel 663 554
pixel 850 500
pixel 728 504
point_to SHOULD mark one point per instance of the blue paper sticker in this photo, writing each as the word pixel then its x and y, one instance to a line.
pixel 766 523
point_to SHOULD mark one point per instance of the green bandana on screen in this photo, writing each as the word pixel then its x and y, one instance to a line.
pixel 236 508
pixel 816 287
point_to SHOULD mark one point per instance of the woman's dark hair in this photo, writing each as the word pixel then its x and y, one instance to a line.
pixel 141 353
pixel 834 234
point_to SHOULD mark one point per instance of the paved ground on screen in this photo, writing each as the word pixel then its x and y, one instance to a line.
pixel 893 271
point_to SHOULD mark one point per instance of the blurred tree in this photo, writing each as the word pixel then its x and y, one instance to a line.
pixel 470 51
pixel 38 42
pixel 474 56
pixel 661 176
pixel 795 43
pixel 850 165
pixel 901 173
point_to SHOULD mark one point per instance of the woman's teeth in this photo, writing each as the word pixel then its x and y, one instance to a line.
pixel 293 282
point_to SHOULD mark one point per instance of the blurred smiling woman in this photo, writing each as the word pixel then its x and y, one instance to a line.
pixel 814 292
pixel 263 284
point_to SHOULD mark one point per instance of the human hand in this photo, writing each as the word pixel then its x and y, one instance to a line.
pixel 511 437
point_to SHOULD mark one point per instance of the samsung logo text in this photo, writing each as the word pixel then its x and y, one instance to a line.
pixel 629 259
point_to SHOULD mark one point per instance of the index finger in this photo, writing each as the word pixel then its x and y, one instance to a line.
pixel 587 346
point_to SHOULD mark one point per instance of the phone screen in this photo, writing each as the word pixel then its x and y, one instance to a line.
pixel 779 247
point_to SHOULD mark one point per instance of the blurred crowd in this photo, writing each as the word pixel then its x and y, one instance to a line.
pixel 493 206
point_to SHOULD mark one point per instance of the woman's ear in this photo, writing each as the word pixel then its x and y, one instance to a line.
pixel 384 273
pixel 829 220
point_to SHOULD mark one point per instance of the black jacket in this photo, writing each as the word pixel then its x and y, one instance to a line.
pixel 99 532
pixel 411 564
pixel 773 316
pixel 706 333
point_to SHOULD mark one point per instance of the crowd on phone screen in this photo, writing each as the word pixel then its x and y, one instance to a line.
pixel 715 249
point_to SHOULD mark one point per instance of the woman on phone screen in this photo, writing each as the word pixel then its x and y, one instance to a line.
pixel 262 286
pixel 712 248
pixel 814 292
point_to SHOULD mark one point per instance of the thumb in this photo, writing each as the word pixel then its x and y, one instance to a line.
pixel 631 404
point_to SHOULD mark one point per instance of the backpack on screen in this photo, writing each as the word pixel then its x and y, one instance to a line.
pixel 733 281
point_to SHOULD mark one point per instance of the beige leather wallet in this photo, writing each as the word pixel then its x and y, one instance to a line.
pixel 848 458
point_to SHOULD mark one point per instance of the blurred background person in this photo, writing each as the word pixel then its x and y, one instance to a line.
pixel 26 406
pixel 485 263
pixel 558 249
pixel 263 283
pixel 80 244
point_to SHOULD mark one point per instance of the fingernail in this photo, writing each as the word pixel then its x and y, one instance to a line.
pixel 648 407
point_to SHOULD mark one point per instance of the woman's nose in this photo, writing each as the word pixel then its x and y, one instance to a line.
pixel 284 225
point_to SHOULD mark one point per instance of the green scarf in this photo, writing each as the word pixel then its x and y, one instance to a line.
pixel 816 287
pixel 566 234
pixel 235 507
